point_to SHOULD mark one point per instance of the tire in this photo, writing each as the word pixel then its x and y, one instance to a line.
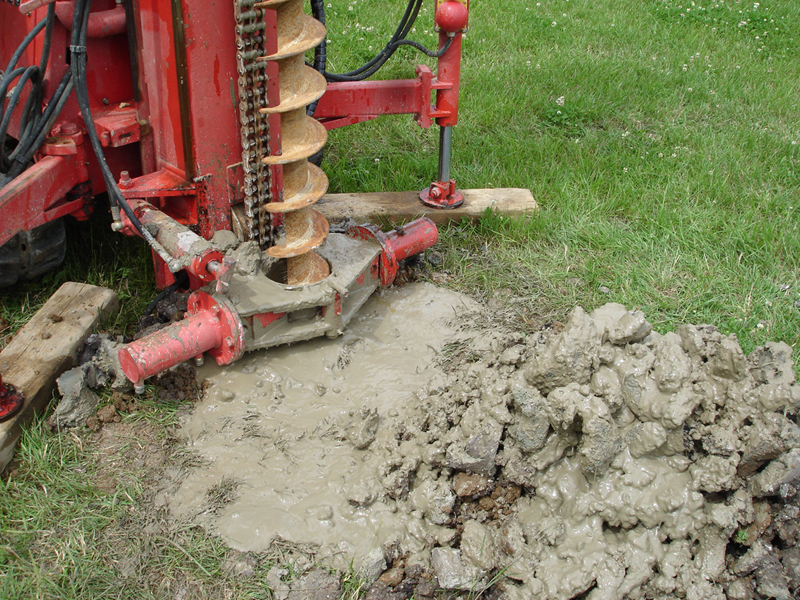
pixel 30 254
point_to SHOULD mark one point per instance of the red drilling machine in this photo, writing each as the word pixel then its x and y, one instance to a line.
pixel 194 117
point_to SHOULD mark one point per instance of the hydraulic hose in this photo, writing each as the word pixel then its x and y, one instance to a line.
pixel 373 65
pixel 321 51
pixel 32 122
pixel 78 68
pixel 23 153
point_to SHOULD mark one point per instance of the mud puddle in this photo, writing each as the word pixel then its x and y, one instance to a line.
pixel 597 459
pixel 286 432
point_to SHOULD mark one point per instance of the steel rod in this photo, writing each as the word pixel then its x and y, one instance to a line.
pixel 445 151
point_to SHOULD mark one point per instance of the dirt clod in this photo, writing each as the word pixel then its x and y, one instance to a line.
pixel 468 485
pixel 392 577
pixel 316 585
pixel 108 414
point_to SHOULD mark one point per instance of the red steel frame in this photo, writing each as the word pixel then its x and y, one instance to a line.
pixel 162 80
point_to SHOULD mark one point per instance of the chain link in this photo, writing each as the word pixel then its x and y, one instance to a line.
pixel 250 44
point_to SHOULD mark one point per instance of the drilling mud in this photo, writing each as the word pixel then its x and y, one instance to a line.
pixel 290 429
pixel 599 459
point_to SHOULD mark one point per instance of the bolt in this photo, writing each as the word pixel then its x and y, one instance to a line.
pixel 199 360
pixel 69 129
pixel 138 387
pixel 125 180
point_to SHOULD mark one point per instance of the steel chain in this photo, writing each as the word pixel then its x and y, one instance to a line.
pixel 252 82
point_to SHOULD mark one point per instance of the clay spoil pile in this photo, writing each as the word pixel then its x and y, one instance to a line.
pixel 597 460
pixel 606 460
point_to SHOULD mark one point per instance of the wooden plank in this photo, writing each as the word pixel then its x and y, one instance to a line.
pixel 46 347
pixel 396 207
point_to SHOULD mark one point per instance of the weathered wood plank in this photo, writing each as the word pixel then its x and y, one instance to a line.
pixel 46 347
pixel 396 207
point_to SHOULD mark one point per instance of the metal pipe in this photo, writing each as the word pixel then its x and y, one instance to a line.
pixel 211 325
pixel 186 249
pixel 445 152
pixel 102 23
pixel 170 346
pixel 411 239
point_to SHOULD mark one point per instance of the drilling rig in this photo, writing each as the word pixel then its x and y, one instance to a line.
pixel 185 118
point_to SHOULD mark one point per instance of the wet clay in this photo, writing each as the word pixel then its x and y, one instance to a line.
pixel 293 427
pixel 604 460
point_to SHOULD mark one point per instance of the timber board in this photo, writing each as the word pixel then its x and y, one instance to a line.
pixel 46 347
pixel 402 207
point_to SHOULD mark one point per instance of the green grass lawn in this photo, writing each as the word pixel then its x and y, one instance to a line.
pixel 660 138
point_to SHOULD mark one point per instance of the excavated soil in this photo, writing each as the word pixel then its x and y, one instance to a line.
pixel 427 447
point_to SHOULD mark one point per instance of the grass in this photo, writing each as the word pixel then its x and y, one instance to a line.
pixel 79 520
pixel 661 139
pixel 97 256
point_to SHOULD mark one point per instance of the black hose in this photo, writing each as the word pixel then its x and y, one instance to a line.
pixel 23 153
pixel 406 23
pixel 48 37
pixel 398 39
pixel 24 44
pixel 31 121
pixel 181 281
pixel 30 73
pixel 78 68
pixel 321 51
pixel 33 105
pixel 432 53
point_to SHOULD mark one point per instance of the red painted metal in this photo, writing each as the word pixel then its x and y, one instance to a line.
pixel 11 400
pixel 439 3
pixel 37 196
pixel 159 184
pixel 192 251
pixel 349 102
pixel 118 126
pixel 179 137
pixel 48 191
pixel 448 76
pixel 211 325
pixel 442 194
pixel 102 23
pixel 209 29
pixel 160 87
pixel 451 19
pixel 398 244
pixel 452 16
pixel 267 318
pixel 27 8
